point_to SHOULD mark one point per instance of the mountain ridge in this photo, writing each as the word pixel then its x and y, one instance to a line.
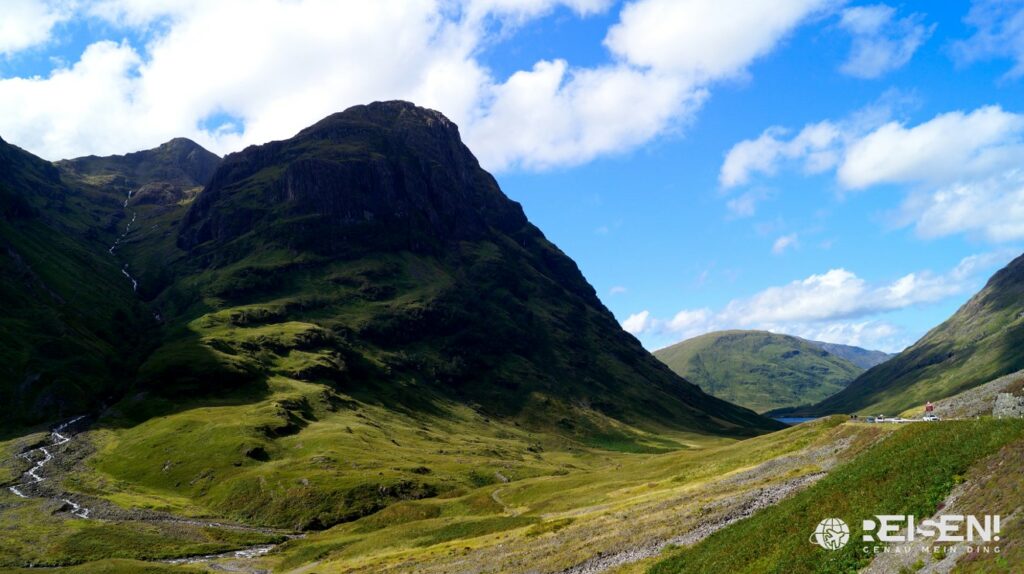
pixel 371 224
pixel 759 369
pixel 978 343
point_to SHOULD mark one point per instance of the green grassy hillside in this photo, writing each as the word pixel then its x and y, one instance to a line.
pixel 338 324
pixel 68 322
pixel 979 343
pixel 373 255
pixel 912 472
pixel 759 370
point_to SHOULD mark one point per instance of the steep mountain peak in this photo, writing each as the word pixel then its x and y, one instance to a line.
pixel 387 174
pixel 25 179
pixel 393 114
pixel 180 163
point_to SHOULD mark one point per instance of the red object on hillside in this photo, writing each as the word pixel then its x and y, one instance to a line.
pixel 929 407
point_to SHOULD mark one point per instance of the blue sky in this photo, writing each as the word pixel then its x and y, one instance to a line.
pixel 845 171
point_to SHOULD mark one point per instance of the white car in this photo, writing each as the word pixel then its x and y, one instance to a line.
pixel 930 418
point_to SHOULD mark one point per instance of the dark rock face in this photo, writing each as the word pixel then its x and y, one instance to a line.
pixel 410 251
pixel 383 175
pixel 161 174
pixel 25 180
pixel 419 283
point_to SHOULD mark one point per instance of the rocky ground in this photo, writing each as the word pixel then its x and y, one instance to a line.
pixel 46 461
pixel 977 401
pixel 725 511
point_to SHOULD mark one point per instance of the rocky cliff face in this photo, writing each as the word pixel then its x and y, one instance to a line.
pixel 385 176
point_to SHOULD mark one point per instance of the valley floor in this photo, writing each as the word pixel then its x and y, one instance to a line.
pixel 493 498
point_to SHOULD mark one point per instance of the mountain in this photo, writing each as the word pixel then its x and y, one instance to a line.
pixel 66 319
pixel 377 238
pixel 759 370
pixel 980 342
pixel 863 358
pixel 320 328
pixel 371 254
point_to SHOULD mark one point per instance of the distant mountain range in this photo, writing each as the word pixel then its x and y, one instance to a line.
pixel 981 342
pixel 765 371
pixel 863 358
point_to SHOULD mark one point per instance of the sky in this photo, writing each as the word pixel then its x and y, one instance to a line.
pixel 850 172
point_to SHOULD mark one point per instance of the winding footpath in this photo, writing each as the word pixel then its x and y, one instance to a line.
pixel 41 457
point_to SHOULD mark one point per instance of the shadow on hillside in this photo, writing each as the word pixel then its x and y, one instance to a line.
pixel 184 374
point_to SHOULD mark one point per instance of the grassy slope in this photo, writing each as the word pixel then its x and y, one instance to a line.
pixel 759 370
pixel 560 506
pixel 296 387
pixel 998 491
pixel 979 343
pixel 67 313
pixel 33 532
pixel 548 523
pixel 910 473
pixel 372 254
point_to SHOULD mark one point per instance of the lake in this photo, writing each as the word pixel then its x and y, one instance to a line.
pixel 795 420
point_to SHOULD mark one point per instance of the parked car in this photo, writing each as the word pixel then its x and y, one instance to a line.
pixel 869 419
pixel 930 418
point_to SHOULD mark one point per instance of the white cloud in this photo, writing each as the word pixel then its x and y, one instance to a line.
pixel 950 146
pixel 617 290
pixel 992 207
pixel 783 243
pixel 28 23
pixel 273 67
pixel 552 115
pixel 814 146
pixel 881 42
pixel 875 335
pixel 705 39
pixel 999 34
pixel 637 322
pixel 836 306
pixel 687 321
pixel 961 170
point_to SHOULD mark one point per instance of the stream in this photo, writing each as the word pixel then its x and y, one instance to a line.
pixel 117 242
pixel 42 456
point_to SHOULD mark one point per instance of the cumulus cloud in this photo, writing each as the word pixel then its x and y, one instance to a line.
pixel 230 73
pixel 28 23
pixel 999 34
pixel 991 207
pixel 704 39
pixel 950 146
pixel 961 170
pixel 881 42
pixel 637 322
pixel 814 147
pixel 836 306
